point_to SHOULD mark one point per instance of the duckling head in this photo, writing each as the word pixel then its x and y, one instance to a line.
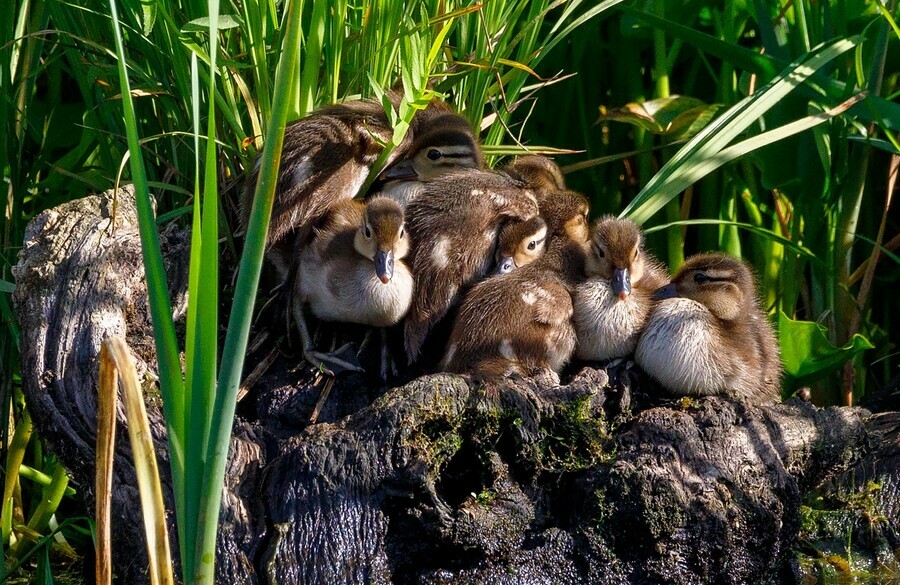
pixel 539 172
pixel 445 143
pixel 566 213
pixel 382 237
pixel 616 253
pixel 721 283
pixel 521 242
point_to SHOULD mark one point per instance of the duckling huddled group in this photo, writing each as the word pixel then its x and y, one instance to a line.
pixel 504 260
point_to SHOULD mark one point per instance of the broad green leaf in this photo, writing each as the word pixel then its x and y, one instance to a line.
pixel 43 574
pixel 7 287
pixel 808 355
pixel 225 22
pixel 658 115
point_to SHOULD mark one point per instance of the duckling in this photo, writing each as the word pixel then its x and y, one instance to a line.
pixel 442 143
pixel 612 305
pixel 520 243
pixel 454 224
pixel 713 338
pixel 538 172
pixel 521 322
pixel 351 270
pixel 327 157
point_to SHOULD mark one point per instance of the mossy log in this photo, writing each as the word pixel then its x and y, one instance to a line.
pixel 602 480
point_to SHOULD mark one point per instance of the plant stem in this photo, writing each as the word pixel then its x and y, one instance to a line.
pixel 242 310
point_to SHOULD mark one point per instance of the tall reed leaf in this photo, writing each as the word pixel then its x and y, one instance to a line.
pixel 204 328
pixel 171 384
pixel 700 155
pixel 242 307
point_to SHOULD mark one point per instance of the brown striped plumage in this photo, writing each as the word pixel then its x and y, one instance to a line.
pixel 327 157
pixel 521 322
pixel 713 338
pixel 612 304
pixel 454 225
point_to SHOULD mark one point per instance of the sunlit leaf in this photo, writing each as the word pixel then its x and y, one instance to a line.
pixel 808 355
pixel 225 22
pixel 669 115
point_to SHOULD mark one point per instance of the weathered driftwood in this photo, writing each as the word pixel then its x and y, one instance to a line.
pixel 439 481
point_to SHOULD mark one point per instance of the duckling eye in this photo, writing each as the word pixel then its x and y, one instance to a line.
pixel 600 252
pixel 532 244
pixel 402 231
pixel 700 278
pixel 368 232
pixel 433 154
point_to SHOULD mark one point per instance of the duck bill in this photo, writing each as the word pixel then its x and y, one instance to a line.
pixel 384 265
pixel 401 171
pixel 667 292
pixel 621 283
pixel 505 265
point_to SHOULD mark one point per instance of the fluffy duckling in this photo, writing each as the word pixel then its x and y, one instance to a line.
pixel 327 156
pixel 538 172
pixel 454 224
pixel 520 243
pixel 351 270
pixel 442 143
pixel 612 305
pixel 521 322
pixel 713 338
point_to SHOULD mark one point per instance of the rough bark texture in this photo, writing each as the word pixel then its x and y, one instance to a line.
pixel 439 481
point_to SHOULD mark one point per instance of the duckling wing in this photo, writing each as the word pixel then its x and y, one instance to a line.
pixel 326 157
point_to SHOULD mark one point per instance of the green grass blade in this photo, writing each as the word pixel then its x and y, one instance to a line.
pixel 171 384
pixel 750 228
pixel 244 297
pixel 188 522
pixel 701 154
pixel 315 39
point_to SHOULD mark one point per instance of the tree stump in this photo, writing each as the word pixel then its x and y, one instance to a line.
pixel 602 480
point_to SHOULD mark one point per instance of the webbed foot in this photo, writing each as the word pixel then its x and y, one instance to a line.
pixel 337 362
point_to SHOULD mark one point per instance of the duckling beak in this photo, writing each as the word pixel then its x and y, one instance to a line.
pixel 400 171
pixel 621 283
pixel 505 265
pixel 667 292
pixel 384 265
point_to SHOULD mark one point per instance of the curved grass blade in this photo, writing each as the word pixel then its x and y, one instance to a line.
pixel 708 149
pixel 244 298
pixel 171 384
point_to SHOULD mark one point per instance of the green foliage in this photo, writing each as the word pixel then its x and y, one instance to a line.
pixel 807 353
pixel 798 190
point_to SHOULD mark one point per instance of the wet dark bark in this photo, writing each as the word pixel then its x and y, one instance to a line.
pixel 439 481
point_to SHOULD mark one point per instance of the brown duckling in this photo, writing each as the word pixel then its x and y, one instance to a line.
pixel 327 157
pixel 713 338
pixel 351 270
pixel 454 225
pixel 612 305
pixel 538 172
pixel 521 322
pixel 520 243
pixel 442 143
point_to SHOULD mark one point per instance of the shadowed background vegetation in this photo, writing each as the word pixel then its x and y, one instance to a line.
pixel 625 84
